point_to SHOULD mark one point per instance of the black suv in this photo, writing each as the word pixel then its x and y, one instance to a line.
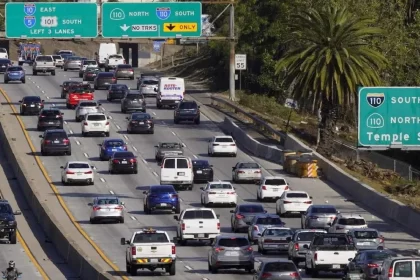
pixel 8 223
pixel 31 105
pixel 187 111
pixel 50 118
pixel 55 141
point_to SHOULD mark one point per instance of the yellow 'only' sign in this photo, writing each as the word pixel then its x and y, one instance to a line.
pixel 180 27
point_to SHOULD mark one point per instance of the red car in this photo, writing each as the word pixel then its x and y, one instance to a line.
pixel 78 92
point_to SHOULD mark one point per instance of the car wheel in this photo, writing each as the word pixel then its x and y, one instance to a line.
pixel 121 220
pixel 178 209
pixel 38 128
pixel 176 121
pixel 197 121
pixel 95 87
pixel 263 252
pixel 152 131
pixel 110 171
pixel 68 153
pixel 53 73
pixel 12 238
pixel 34 73
pixel 92 221
pixel 65 69
pixel 213 269
pixel 133 269
pixel 6 81
pixel 84 134
pixel 146 211
pixel 23 81
pixel 135 172
pixel 107 134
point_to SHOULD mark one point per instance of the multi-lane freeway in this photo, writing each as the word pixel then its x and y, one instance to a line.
pixel 192 260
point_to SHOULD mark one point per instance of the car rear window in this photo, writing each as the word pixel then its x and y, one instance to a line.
pixel 3 50
pixel 201 163
pixel 106 75
pixel 89 62
pixel 170 146
pixel 275 182
pixel 324 210
pixel 79 165
pixel 331 241
pixel 363 234
pixel 56 135
pixel 149 82
pixel 124 66
pixel 378 256
pixel 116 143
pixel 50 113
pixel 223 140
pixel 221 187
pixel 123 155
pixel 96 118
pixel 188 105
pixel 150 238
pixel 352 222
pixel 69 83
pixel 5 208
pixel 169 163
pixel 279 267
pixel 45 58
pixel 403 269
pixel 15 68
pixel 119 87
pixel 57 57
pixel 115 56
pixel 88 104
pixel 233 242
pixel 278 232
pixel 107 201
pixel 305 236
pixel 296 195
pixel 199 214
pixel 74 58
pixel 161 189
pixel 248 166
pixel 251 209
pixel 181 163
pixel 141 117
pixel 268 221
pixel 32 99
pixel 134 96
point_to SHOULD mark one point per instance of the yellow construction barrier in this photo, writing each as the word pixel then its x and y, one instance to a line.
pixel 291 162
pixel 307 168
pixel 287 153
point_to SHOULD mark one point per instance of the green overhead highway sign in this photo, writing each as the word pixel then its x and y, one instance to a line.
pixel 151 20
pixel 44 20
pixel 389 117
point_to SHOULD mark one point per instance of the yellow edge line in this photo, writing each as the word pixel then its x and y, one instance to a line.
pixel 57 194
pixel 28 251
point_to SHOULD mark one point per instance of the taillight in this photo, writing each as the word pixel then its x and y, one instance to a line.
pixel 256 228
pixel 286 202
pixel 133 251
pixel 88 172
pixel 42 116
pixel 212 193
pixel 313 217
pixel 215 144
pixel 218 250
pixel 107 123
pixel 58 116
pixel 249 249
pixel 231 193
pixel 239 216
pixel 114 79
pixel 133 160
pixel 381 239
pixel 267 240
pixel 125 148
pixel 372 265
pixel 173 250
pixel 131 70
pixel 96 208
pixel 183 226
pixel 189 164
pixel 286 188
pixel 390 271
pixel 119 208
pixel 315 256
pixel 134 122
pixel 174 196
pixel 66 141
pixel 257 171
pixel 240 172
pixel 218 226
pixel 69 172
pixel 297 246
pixel 232 145
pixel 308 202
pixel 339 228
pixel 124 61
pixel 264 188
pixel 266 275
pixel 85 123
pixel 116 161
pixel 47 141
pixel 294 274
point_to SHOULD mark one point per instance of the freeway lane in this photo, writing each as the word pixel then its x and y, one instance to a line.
pixel 130 187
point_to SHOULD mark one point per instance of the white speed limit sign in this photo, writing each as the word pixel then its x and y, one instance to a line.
pixel 240 61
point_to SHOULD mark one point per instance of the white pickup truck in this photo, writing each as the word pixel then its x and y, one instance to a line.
pixel 150 249
pixel 328 252
pixel 197 224
pixel 113 60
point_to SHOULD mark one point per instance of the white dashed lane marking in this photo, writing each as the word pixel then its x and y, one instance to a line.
pixel 102 180
pixel 111 192
pixel 154 173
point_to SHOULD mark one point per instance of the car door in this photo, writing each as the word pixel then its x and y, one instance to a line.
pixel 280 201
pixel 234 170
pixel 403 270
pixel 305 216
pixel 354 264
pixel 64 170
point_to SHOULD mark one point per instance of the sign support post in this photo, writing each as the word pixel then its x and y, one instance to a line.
pixel 232 54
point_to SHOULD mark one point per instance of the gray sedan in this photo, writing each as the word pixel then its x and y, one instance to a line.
pixel 72 63
pixel 246 171
pixel 133 102
pixel 318 216
pixel 260 223
pixel 367 239
pixel 107 209
pixel 147 85
pixel 369 260
pixel 231 252
pixel 277 270
pixel 243 215
pixel 168 149
pixel 274 239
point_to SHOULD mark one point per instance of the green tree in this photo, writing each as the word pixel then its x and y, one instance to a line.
pixel 330 58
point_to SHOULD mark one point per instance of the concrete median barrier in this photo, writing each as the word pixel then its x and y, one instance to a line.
pixel 64 244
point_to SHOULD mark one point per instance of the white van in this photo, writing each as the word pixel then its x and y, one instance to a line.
pixel 170 91
pixel 105 50
pixel 3 53
pixel 177 171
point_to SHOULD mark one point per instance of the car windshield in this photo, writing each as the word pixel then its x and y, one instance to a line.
pixel 170 146
pixel 150 238
pixel 324 210
pixel 233 242
pixel 331 241
pixel 221 186
pixel 96 118
pixel 201 163
pixel 50 113
pixel 279 267
pixel 70 83
pixel 32 99
pixel 78 165
pixel 188 105
pixel 162 189
pixel 248 166
pixel 365 234
pixel 305 236
pixel 5 208
pixel 352 222
pixel 223 140
pixel 74 58
pixel 92 69
pixel 81 89
pixel 104 201
pixel 279 232
pixel 116 143
pixel 296 195
pixel 106 75
pixel 134 96
pixel 15 68
pixel 251 209
pixel 115 56
pixel 379 256
pixel 199 214
pixel 119 87
pixel 123 155
pixel 268 221
pixel 140 117
pixel 275 182
pixel 88 104
pixel 150 82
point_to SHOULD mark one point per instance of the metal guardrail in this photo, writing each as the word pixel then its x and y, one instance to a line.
pixel 344 151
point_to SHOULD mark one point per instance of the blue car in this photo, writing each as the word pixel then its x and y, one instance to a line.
pixel 110 146
pixel 14 73
pixel 161 197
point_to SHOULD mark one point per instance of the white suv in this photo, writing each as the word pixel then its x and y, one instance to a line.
pixel 271 187
pixel 95 123
pixel 177 171
pixel 222 145
pixel 345 222
pixel 3 53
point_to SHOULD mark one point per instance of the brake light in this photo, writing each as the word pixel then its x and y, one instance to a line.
pixel 231 193
pixel 267 240
pixel 215 144
pixel 189 164
pixel 381 239
pixel 294 274
pixel 286 202
pixel 88 172
pixel 69 172
pixel 258 171
pixel 118 208
pixel 390 271
pixel 308 202
pixel 183 226
pixel 85 123
pixel 42 116
pixel 256 228
pixel 286 188
pixel 114 79
pixel 313 217
pixel 125 148
pixel 315 256
pixel 149 121
pixel 249 249
pixel 297 246
pixel 212 193
pixel 47 141
pixel 174 196
pixel 133 251
pixel 66 141
pixel 131 70
pixel 124 61
pixel 339 228
pixel 372 265
pixel 232 145
pixel 133 160
pixel 58 116
pixel 96 208
pixel 218 250
pixel 218 226
pixel 264 188
pixel 134 121
pixel 239 216
pixel 116 161
pixel 266 275
pixel 241 172
pixel 173 250
pixel 107 123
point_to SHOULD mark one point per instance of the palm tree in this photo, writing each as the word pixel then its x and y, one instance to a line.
pixel 331 58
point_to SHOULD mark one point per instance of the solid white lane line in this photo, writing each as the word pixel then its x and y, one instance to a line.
pixel 111 192
pixel 145 161
pixel 183 145
pixel 134 148
pixel 188 267
pixel 102 180
pixel 110 117
pixel 154 173
pixel 71 131
pixel 154 113
pixel 195 156
pixel 133 218
pixel 118 126
pixel 125 136
pixel 65 122
pixel 77 142
pixel 37 86
pixel 86 155
pixel 173 133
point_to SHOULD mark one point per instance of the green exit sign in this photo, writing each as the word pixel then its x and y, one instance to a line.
pixel 44 20
pixel 151 20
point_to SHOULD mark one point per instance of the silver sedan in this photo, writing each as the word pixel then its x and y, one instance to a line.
pixel 107 209
pixel 277 269
pixel 274 239
pixel 246 171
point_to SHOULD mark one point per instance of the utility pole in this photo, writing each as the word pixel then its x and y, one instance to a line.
pixel 232 53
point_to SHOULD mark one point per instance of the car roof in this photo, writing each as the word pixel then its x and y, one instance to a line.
pixel 95 113
pixel 113 139
pixel 285 228
pixel 159 186
pixel 32 96
pixel 55 130
pixel 350 216
pixel 227 236
pixel 200 161
pixel 310 230
pixel 188 101
pixel 273 177
pixel 266 215
pixel 223 136
pixel 107 197
pixel 50 109
pixel 296 192
pixel 219 182
pixel 363 229
pixel 154 78
pixel 76 161
pixel 250 204
pixel 322 206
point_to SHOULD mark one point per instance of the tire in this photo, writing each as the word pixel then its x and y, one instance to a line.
pixel 65 69
pixel 314 273
pixel 212 269
pixel 121 220
pixel 68 153
pixel 135 172
pixel 68 106
pixel 109 99
pixel 106 69
pixel 34 73
pixel 132 78
pixel 171 269
pixel 158 105
pixel 308 271
pixel 133 269
pixel 107 134
pixel 24 81
pixel 43 153
pixel 38 128
pixel 176 121
pixel 178 209
pixel 12 238
pixel 92 221
pixel 152 132
pixel 6 81
pixel 95 87
pixel 84 134
pixel 197 121
pixel 20 63
pixel 146 210
pixel 123 110
pixel 80 75
pixel 263 252
pixel 295 261
pixel 53 73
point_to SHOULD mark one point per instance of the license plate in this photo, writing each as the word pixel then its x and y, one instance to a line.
pixel 199 172
pixel 275 190
pixel 124 162
pixel 50 122
pixel 114 150
pixel 163 204
pixel 32 105
pixel 336 266
pixel 153 260
pixel 232 253
pixel 181 173
pixel 56 141
pixel 363 243
pixel 201 235
pixel 141 122
pixel 96 124
pixel 79 173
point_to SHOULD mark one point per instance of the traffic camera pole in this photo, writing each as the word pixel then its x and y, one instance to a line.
pixel 232 53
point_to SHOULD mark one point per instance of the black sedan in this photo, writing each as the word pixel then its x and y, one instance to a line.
pixel 203 171
pixel 140 122
pixel 4 63
pixel 123 162
pixel 117 91
pixel 65 87
pixel 31 105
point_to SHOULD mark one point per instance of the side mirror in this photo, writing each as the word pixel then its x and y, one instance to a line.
pixel 155 89
pixel 108 118
pixel 350 259
pixel 233 168
pixel 175 240
pixel 202 188
pixel 232 211
pixel 61 85
pixel 100 145
pixel 156 146
pixel 329 224
pixel 253 271
pixel 151 118
pixel 17 212
pixel 306 246
pixel 122 203
pixel 96 53
pixel 288 239
pixel 210 165
pixel 127 118
pixel 176 218
pixel 123 241
pixel 265 211
pixel 218 216
pixel 199 106
pixel 20 101
pixel 62 167
pixel 40 136
pixel 42 100
pixel 92 166
pixel 259 234
pixel 90 204
pixel 62 114
pixel 145 192
pixel 99 104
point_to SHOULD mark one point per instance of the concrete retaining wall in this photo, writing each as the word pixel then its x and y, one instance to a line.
pixel 64 244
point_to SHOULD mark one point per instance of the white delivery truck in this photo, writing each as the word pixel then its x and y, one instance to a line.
pixel 105 50
pixel 170 91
